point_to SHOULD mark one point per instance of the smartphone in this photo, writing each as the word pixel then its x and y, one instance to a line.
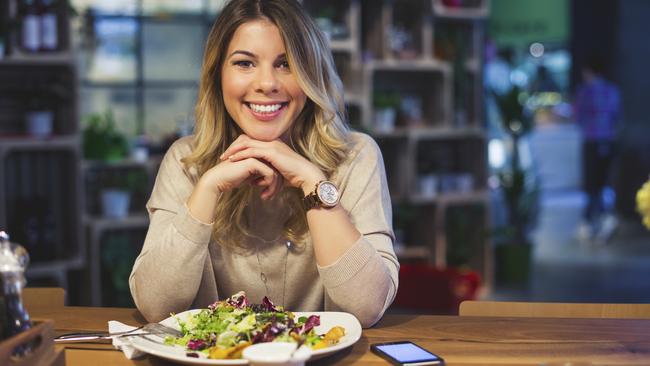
pixel 405 353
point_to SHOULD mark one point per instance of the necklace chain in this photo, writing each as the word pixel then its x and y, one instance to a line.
pixel 263 277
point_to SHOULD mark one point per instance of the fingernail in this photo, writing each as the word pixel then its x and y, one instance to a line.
pixel 221 156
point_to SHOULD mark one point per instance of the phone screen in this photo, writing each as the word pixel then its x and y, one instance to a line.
pixel 407 352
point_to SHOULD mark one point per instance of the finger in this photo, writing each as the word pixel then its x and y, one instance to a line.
pixel 252 152
pixel 275 187
pixel 239 149
pixel 271 189
pixel 238 144
pixel 242 142
pixel 264 174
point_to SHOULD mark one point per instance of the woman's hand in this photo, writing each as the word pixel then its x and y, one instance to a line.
pixel 228 175
pixel 296 170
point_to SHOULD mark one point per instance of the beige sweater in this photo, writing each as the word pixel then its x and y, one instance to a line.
pixel 180 267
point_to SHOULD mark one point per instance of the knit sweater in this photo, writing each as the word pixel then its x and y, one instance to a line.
pixel 182 267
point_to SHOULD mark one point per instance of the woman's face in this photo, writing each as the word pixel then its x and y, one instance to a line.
pixel 259 91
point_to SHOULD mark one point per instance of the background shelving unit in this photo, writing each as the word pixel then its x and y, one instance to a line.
pixel 40 181
pixel 424 58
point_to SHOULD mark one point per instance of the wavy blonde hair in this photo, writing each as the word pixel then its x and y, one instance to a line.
pixel 319 132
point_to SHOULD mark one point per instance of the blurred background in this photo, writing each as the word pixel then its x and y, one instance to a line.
pixel 514 134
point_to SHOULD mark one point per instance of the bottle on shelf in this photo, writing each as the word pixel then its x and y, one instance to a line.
pixel 48 26
pixel 30 40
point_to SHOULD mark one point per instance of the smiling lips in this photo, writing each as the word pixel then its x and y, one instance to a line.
pixel 266 112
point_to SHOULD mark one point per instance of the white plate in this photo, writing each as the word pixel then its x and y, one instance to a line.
pixel 154 345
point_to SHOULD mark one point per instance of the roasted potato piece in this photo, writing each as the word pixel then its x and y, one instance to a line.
pixel 334 334
pixel 230 353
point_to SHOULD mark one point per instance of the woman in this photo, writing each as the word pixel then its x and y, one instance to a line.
pixel 235 206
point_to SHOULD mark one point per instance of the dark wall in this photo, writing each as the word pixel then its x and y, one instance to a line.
pixel 632 72
pixel 594 32
pixel 617 31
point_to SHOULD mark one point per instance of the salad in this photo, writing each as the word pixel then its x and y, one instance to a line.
pixel 226 328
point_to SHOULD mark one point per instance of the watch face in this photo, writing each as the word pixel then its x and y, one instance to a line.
pixel 328 193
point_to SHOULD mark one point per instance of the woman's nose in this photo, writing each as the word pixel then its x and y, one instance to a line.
pixel 267 81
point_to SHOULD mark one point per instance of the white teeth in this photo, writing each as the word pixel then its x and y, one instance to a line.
pixel 265 108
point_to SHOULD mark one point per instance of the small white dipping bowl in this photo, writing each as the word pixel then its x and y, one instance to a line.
pixel 276 354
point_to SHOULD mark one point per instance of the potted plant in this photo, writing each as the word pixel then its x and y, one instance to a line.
pixel 117 190
pixel 386 105
pixel 101 140
pixel 519 190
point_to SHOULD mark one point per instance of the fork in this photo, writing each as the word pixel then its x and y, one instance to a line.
pixel 148 329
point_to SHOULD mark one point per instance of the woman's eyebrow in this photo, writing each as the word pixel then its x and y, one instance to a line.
pixel 281 56
pixel 245 53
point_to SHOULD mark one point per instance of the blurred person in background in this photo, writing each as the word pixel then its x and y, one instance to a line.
pixel 597 111
pixel 272 194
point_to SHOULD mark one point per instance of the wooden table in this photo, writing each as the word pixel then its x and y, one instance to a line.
pixel 459 340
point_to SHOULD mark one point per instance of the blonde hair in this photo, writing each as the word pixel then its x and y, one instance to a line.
pixel 319 132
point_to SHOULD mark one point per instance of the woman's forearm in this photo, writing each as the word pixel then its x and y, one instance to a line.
pixel 332 233
pixel 202 203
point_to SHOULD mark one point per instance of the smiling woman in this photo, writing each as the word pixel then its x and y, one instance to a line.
pixel 273 194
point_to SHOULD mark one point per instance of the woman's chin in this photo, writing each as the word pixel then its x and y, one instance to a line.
pixel 266 136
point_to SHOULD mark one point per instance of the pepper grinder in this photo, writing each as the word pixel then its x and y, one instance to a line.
pixel 13 316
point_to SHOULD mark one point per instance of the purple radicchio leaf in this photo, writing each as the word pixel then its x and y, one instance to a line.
pixel 268 305
pixel 312 321
pixel 272 331
pixel 214 305
pixel 196 344
pixel 258 337
pixel 238 300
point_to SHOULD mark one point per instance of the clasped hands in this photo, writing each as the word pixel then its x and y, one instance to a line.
pixel 266 164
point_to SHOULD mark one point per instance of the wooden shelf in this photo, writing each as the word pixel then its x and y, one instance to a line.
pixel 151 162
pixel 452 198
pixel 431 133
pixel 413 253
pixel 57 269
pixel 415 65
pixel 40 268
pixel 353 97
pixel 38 59
pixel 71 142
pixel 101 223
pixel 342 45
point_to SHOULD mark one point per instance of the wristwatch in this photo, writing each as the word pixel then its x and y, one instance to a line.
pixel 325 195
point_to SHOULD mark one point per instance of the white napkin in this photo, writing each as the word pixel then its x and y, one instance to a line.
pixel 124 343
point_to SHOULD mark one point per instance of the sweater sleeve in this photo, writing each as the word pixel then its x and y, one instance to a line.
pixel 364 280
pixel 167 274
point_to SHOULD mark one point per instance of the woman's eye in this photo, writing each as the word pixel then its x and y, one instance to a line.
pixel 243 63
pixel 283 65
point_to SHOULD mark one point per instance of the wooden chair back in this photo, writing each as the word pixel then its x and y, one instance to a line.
pixel 553 310
pixel 43 297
